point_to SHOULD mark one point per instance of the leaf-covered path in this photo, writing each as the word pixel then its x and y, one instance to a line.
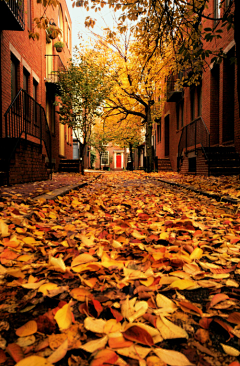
pixel 125 271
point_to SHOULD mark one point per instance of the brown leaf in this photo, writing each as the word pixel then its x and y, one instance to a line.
pixel 138 335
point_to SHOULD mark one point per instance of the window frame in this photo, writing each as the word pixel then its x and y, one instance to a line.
pixel 103 157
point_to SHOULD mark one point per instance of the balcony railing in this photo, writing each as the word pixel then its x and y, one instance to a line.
pixel 194 135
pixel 12 15
pixel 26 119
pixel 53 65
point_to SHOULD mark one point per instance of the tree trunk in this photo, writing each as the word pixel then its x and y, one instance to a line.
pixel 237 40
pixel 82 152
pixel 149 154
pixel 131 156
pixel 100 159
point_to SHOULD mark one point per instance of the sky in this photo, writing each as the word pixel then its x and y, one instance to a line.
pixel 103 18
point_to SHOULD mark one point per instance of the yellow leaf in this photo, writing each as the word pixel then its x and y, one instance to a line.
pixel 24 258
pixel 93 346
pixel 230 350
pixel 47 287
pixel 91 282
pixel 196 254
pixel 137 235
pixel 27 329
pixel 134 351
pixel 94 267
pixel 34 361
pixel 139 309
pixel 95 325
pixel 183 284
pixel 164 236
pixel 3 229
pixel 33 285
pixel 63 317
pixel 82 259
pixel 147 282
pixel 169 330
pixel 112 326
pixel 172 358
pixel 165 304
pixel 29 240
pixel 155 361
pixel 57 263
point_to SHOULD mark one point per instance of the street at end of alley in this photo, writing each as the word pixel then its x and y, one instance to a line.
pixel 125 270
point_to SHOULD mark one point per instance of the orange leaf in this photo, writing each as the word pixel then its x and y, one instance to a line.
pixel 139 335
pixel 80 294
pixel 116 314
pixel 234 318
pixel 217 298
pixel 205 322
pixel 15 351
pixel 186 306
pixel 98 307
pixel 119 342
pixel 27 329
pixel 3 356
pixel 105 356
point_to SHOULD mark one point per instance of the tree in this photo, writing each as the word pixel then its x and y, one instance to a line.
pixel 125 132
pixel 134 83
pixel 180 24
pixel 99 138
pixel 82 89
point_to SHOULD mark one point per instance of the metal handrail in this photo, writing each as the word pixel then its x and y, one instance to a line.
pixel 25 117
pixel 17 8
pixel 193 134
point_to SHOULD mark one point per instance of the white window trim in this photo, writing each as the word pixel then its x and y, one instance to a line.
pixel 105 152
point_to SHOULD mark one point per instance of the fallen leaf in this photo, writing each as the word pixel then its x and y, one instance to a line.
pixel 34 360
pixel 230 350
pixel 63 317
pixel 93 346
pixel 27 329
pixel 59 353
pixel 172 358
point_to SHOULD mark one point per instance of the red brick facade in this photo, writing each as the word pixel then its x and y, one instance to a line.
pixel 31 73
pixel 115 158
pixel 215 101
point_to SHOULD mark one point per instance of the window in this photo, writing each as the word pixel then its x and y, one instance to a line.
pixel 192 97
pixel 227 3
pixel 60 21
pixel 50 113
pixel 199 94
pixel 68 33
pixel 159 131
pixel 29 14
pixel 217 10
pixel 25 80
pixel 180 111
pixel 105 158
pixel 14 76
pixel 35 87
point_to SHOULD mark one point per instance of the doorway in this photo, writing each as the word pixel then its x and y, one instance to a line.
pixel 118 160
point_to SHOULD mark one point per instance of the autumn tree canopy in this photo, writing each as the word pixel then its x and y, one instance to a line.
pixel 82 89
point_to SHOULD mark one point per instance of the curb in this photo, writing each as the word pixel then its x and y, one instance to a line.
pixel 215 196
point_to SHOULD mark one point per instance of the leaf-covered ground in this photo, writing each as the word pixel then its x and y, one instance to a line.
pixel 125 271
pixel 20 192
pixel 227 186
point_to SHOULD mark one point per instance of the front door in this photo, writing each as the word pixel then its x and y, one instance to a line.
pixel 118 160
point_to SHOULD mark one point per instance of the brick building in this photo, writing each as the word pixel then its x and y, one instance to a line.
pixel 114 158
pixel 199 131
pixel 32 140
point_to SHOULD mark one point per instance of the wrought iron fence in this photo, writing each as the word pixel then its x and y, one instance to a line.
pixel 53 65
pixel 24 118
pixel 17 8
pixel 193 135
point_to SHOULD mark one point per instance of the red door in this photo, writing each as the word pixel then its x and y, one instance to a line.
pixel 118 161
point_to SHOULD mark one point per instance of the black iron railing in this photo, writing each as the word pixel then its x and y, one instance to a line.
pixel 194 135
pixel 17 9
pixel 53 65
pixel 25 118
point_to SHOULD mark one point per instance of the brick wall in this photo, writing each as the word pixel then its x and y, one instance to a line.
pixel 30 55
pixel 213 100
pixel 28 164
